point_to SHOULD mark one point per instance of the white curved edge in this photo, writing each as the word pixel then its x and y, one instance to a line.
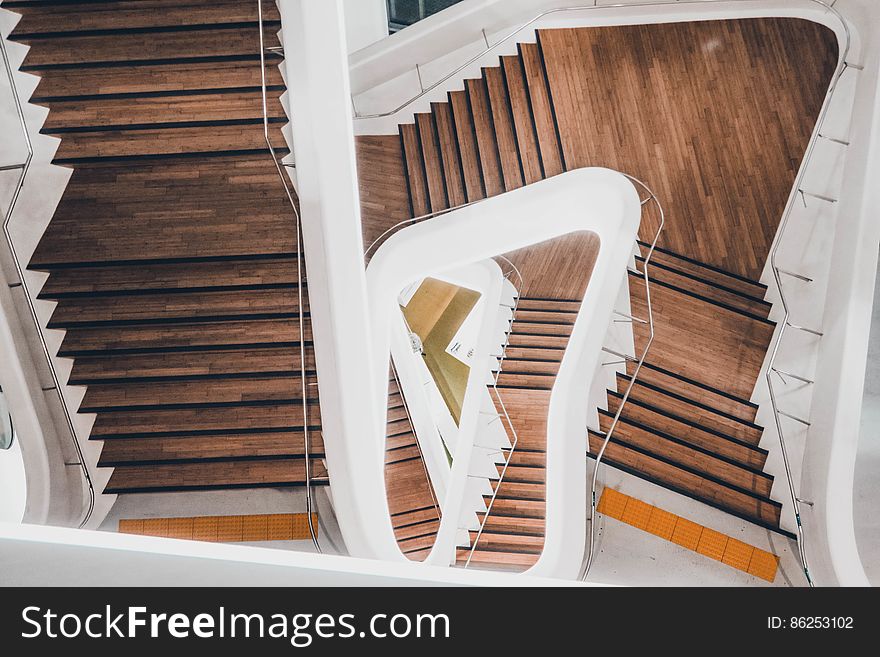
pixel 384 75
pixel 592 199
pixel 52 556
pixel 486 278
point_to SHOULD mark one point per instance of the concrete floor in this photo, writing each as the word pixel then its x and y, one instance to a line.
pixel 628 556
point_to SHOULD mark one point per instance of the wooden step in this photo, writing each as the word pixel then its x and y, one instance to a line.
pixel 529 329
pixel 707 289
pixel 245 273
pixel 466 140
pixel 113 143
pixel 509 542
pixel 519 490
pixel 756 509
pixel 681 452
pixel 178 306
pixel 432 162
pixel 257 417
pixel 195 365
pixel 47 18
pixel 510 378
pixel 527 410
pixel 528 316
pixel 700 340
pixel 176 337
pixel 496 560
pixel 512 507
pixel 212 476
pixel 556 305
pixel 109 212
pixel 706 272
pixel 415 530
pixel 696 392
pixel 675 404
pixel 448 142
pixel 505 134
pixel 532 474
pixel 120 113
pixel 198 42
pixel 543 367
pixel 401 454
pixel 147 450
pixel 417 547
pixel 414 517
pixel 201 393
pixel 484 129
pixel 523 340
pixel 415 170
pixel 542 109
pixel 685 429
pixel 497 524
pixel 523 122
pixel 545 354
pixel 155 79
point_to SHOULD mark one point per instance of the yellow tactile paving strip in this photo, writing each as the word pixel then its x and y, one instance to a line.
pixel 225 529
pixel 687 534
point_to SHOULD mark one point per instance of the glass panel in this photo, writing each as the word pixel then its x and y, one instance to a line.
pixel 402 13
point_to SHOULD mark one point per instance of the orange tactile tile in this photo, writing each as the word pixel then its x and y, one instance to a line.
pixel 712 544
pixel 687 534
pixel 661 523
pixel 763 565
pixel 637 513
pixel 738 554
pixel 612 503
pixel 225 529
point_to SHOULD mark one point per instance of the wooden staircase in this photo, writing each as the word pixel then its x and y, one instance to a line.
pixel 415 514
pixel 172 254
pixel 689 425
pixel 513 534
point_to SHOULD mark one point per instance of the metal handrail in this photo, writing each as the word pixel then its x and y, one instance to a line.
pixel 299 279
pixel 22 282
pixel 843 65
pixel 513 443
pixel 649 322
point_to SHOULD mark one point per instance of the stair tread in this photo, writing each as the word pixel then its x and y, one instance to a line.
pixel 466 140
pixel 703 415
pixel 222 446
pixel 542 109
pixel 193 364
pixel 133 14
pixel 505 135
pixel 484 129
pixel 175 337
pixel 758 510
pixel 206 476
pixel 523 122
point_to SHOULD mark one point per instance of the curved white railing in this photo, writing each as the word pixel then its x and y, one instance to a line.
pixel 23 168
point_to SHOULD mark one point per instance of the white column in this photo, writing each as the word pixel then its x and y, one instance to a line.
pixel 320 106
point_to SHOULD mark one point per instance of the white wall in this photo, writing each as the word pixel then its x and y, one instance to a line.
pixel 366 22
